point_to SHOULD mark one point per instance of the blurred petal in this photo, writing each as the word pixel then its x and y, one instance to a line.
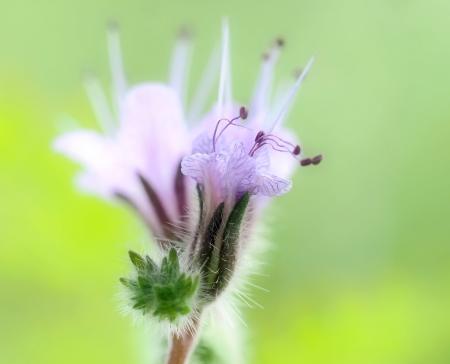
pixel 154 137
pixel 86 147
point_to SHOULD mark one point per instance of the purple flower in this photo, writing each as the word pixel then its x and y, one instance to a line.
pixel 242 151
pixel 148 134
pixel 137 157
pixel 150 144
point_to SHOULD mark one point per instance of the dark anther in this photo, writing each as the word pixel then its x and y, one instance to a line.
pixel 296 150
pixel 305 162
pixel 265 56
pixel 259 136
pixel 279 42
pixel 297 72
pixel 113 25
pixel 185 32
pixel 243 113
pixel 317 159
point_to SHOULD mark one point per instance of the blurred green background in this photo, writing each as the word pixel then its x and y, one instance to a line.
pixel 359 271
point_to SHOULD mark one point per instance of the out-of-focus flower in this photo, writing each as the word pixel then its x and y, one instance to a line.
pixel 137 157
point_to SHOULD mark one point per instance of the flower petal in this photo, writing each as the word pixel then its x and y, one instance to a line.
pixel 271 185
pixel 107 174
pixel 154 137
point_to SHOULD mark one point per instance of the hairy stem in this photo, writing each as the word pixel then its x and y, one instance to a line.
pixel 183 345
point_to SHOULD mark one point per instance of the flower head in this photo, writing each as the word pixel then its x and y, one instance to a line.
pixel 152 152
pixel 246 151
pixel 240 155
pixel 136 158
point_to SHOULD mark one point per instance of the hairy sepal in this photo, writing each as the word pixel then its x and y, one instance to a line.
pixel 163 291
pixel 220 247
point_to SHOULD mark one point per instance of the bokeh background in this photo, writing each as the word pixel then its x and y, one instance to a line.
pixel 359 271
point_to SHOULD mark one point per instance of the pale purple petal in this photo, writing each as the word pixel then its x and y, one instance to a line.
pixel 196 165
pixel 86 147
pixel 202 144
pixel 154 137
pixel 207 170
pixel 271 185
pixel 239 175
pixel 229 174
pixel 107 174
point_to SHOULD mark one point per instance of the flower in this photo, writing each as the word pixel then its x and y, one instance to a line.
pixel 239 157
pixel 152 151
pixel 137 157
pixel 246 151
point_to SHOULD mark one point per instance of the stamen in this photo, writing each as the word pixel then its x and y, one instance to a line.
pixel 297 73
pixel 264 83
pixel 317 159
pixel 259 136
pixel 254 149
pixel 305 162
pixel 243 113
pixel 116 64
pixel 281 140
pixel 275 142
pixel 205 86
pixel 280 145
pixel 280 42
pixel 311 161
pixel 99 103
pixel 268 139
pixel 290 96
pixel 181 60
pixel 224 98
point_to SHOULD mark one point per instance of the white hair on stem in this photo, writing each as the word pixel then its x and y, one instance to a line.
pixel 99 104
pixel 116 64
pixel 290 96
pixel 181 63
pixel 257 286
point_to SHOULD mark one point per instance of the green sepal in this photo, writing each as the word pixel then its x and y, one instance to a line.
pixel 229 250
pixel 137 260
pixel 129 283
pixel 209 240
pixel 162 291
pixel 150 264
pixel 222 260
pixel 193 247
